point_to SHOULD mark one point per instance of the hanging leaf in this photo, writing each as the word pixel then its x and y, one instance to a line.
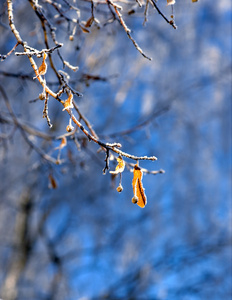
pixel 139 194
pixel 84 29
pixel 63 142
pixel 52 182
pixel 171 2
pixel 89 22
pixel 68 104
pixel 43 68
pixel 120 166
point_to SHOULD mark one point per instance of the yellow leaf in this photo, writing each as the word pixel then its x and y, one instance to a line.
pixel 120 166
pixel 68 103
pixel 139 194
pixel 194 0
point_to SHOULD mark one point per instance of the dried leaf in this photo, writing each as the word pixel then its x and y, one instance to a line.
pixel 43 68
pixel 120 166
pixel 52 182
pixel 68 104
pixel 63 142
pixel 139 194
pixel 171 2
pixel 84 29
pixel 194 0
pixel 89 22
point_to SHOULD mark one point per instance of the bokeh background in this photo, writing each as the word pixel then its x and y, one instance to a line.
pixel 83 240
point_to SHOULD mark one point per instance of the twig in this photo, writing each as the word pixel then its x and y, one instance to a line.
pixel 171 22
pixel 107 162
pixel 92 137
pixel 116 8
pixel 32 51
pixel 3 57
pixel 17 123
pixel 108 146
pixel 146 12
pixel 66 85
pixel 45 111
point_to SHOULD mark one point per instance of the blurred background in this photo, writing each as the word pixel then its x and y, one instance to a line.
pixel 65 232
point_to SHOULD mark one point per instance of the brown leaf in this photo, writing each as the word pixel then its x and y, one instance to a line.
pixel 120 166
pixel 170 2
pixel 138 189
pixel 89 22
pixel 52 182
pixel 43 68
pixel 85 30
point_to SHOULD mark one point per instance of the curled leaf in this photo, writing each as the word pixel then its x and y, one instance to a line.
pixel 120 166
pixel 89 22
pixel 171 2
pixel 43 68
pixel 84 29
pixel 63 143
pixel 68 104
pixel 138 189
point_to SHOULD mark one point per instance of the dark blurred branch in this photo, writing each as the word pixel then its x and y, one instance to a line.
pixel 17 123
pixel 22 247
pixel 141 124
pixel 129 284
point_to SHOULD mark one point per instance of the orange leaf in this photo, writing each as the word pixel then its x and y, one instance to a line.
pixel 138 188
pixel 120 166
pixel 68 103
pixel 63 142
pixel 43 68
